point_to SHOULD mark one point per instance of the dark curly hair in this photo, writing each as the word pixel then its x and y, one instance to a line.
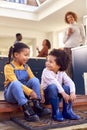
pixel 71 13
pixel 48 43
pixel 62 58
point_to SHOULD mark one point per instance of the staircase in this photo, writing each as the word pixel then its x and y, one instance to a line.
pixel 12 112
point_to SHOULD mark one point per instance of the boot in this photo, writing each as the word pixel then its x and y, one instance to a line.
pixel 29 113
pixel 56 114
pixel 68 112
pixel 40 109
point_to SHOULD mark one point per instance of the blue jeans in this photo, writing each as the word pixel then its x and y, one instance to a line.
pixel 14 92
pixel 51 92
pixel 34 84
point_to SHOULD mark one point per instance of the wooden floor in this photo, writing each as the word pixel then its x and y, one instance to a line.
pixel 8 112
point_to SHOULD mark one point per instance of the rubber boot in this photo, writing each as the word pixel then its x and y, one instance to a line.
pixel 56 114
pixel 40 109
pixel 68 112
pixel 29 113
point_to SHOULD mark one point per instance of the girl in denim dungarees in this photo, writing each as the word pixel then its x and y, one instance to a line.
pixel 21 85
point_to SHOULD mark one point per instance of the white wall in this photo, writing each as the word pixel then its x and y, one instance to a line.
pixel 32 38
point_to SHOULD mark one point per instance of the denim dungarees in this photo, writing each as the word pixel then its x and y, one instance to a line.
pixel 14 92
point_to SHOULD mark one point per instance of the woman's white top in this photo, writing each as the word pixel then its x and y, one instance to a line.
pixel 76 38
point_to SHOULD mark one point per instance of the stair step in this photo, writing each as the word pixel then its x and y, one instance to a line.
pixel 8 107
pixel 80 103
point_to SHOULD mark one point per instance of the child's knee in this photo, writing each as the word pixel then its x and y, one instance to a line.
pixel 66 89
pixel 34 80
pixel 16 84
pixel 52 87
pixel 52 91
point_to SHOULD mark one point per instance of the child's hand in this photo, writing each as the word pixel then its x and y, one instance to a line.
pixel 66 97
pixel 42 99
pixel 72 97
pixel 33 95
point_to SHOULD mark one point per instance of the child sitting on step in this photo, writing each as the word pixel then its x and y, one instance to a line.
pixel 21 85
pixel 57 84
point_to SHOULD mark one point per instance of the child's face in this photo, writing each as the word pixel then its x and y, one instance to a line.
pixel 51 64
pixel 22 57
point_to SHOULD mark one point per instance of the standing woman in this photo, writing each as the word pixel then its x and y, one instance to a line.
pixel 74 35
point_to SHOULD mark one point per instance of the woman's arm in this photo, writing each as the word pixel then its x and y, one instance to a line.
pixel 43 52
pixel 65 37
pixel 82 32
